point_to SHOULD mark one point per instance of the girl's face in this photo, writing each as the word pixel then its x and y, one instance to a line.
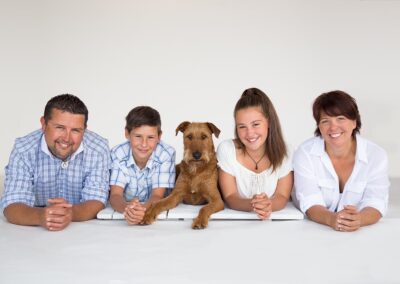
pixel 252 128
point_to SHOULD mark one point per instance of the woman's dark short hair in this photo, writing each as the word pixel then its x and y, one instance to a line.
pixel 68 103
pixel 275 146
pixel 336 103
pixel 143 115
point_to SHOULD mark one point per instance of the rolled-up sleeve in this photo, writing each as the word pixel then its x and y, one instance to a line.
pixel 18 181
pixel 164 175
pixel 97 180
pixel 376 193
pixel 307 191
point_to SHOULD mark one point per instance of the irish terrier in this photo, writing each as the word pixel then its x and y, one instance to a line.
pixel 197 175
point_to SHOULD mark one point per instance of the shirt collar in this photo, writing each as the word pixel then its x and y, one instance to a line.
pixel 131 160
pixel 45 149
pixel 318 148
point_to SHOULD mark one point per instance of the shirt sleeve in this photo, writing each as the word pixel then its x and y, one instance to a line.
pixel 97 179
pixel 224 156
pixel 18 181
pixel 117 175
pixel 307 191
pixel 286 166
pixel 164 175
pixel 376 193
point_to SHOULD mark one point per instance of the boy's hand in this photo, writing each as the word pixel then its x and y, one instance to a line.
pixel 134 212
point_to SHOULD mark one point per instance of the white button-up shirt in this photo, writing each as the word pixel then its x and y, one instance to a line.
pixel 316 182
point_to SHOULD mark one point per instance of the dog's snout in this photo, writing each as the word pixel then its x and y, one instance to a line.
pixel 196 155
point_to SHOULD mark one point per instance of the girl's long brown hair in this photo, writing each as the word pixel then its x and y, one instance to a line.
pixel 275 146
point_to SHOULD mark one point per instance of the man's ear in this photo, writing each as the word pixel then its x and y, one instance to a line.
pixel 43 123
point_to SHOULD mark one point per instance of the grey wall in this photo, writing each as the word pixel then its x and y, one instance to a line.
pixel 192 59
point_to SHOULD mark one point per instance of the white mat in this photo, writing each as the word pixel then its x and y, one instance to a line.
pixel 184 211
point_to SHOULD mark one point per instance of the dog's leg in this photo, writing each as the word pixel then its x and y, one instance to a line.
pixel 215 204
pixel 164 204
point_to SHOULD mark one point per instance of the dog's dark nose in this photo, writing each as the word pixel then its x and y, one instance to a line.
pixel 196 155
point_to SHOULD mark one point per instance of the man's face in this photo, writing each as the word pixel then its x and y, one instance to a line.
pixel 63 132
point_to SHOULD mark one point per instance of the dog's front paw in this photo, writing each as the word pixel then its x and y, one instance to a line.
pixel 200 223
pixel 148 218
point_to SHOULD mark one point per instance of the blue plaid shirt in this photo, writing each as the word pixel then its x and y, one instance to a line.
pixel 33 174
pixel 136 182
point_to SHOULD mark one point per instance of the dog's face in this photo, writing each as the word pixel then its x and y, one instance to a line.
pixel 197 141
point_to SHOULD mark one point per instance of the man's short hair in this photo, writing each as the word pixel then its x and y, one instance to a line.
pixel 143 115
pixel 68 103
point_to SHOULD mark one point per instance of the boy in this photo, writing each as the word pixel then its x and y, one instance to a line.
pixel 143 168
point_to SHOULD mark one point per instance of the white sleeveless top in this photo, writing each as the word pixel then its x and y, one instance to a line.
pixel 248 182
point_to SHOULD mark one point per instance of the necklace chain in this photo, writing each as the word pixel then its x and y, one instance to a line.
pixel 254 161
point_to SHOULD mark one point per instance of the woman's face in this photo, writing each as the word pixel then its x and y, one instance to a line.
pixel 336 130
pixel 252 127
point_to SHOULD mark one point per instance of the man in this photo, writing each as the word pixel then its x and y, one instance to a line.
pixel 57 174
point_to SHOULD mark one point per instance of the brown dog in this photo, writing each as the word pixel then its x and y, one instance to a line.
pixel 197 175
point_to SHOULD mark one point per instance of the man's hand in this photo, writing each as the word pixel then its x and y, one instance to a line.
pixel 57 215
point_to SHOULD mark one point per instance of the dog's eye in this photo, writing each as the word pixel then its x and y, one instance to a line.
pixel 203 137
pixel 190 137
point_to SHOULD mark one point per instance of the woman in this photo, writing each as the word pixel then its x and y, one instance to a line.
pixel 341 179
pixel 255 171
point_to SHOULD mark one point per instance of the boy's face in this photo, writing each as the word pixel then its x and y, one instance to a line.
pixel 144 140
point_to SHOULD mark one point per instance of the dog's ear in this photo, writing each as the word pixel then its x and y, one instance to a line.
pixel 182 127
pixel 214 129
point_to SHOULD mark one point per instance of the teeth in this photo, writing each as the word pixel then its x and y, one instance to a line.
pixel 63 145
pixel 335 135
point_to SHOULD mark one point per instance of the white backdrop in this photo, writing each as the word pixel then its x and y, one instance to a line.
pixel 191 60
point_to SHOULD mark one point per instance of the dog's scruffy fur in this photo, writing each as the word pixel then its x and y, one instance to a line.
pixel 197 175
